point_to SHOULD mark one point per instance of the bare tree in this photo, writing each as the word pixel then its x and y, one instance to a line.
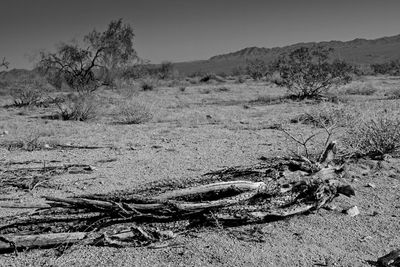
pixel 86 69
pixel 116 43
pixel 75 65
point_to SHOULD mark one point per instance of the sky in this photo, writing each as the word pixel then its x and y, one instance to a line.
pixel 185 30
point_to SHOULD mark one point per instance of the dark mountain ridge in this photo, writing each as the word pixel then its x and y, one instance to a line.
pixel 358 51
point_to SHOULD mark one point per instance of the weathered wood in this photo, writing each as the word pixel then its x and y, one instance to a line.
pixel 36 219
pixel 23 206
pixel 12 242
pixel 390 260
pixel 240 186
pixel 328 155
pixel 169 205
pixel 227 203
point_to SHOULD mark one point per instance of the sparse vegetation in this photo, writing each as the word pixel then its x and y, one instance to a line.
pixel 389 68
pixel 309 148
pixel 307 72
pixel 156 135
pixel 165 70
pixel 28 93
pixel 148 84
pixel 393 93
pixel 77 108
pixel 326 115
pixel 134 112
pixel 373 135
pixel 256 68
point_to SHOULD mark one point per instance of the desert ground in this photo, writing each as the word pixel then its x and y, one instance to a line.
pixel 194 129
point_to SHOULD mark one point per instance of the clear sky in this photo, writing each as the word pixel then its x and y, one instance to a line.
pixel 182 30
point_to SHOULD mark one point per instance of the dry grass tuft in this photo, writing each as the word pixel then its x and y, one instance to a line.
pixel 134 112
pixel 27 92
pixel 326 115
pixel 78 108
pixel 373 135
pixel 148 84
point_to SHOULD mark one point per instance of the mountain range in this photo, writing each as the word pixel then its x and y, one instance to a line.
pixel 357 51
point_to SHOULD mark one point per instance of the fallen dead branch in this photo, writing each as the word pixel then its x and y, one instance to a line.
pixel 217 198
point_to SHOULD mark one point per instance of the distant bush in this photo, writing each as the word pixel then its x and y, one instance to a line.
pixel 240 79
pixel 205 78
pixel 148 84
pixel 165 70
pixel 134 112
pixel 28 92
pixel 373 136
pixel 135 72
pixel 390 68
pixel 256 68
pixel 308 73
pixel 211 77
pixel 76 108
pixel 393 94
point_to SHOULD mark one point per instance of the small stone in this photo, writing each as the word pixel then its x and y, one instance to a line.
pixel 47 146
pixel 390 260
pixel 371 185
pixel 353 211
pixel 5 132
pixel 375 213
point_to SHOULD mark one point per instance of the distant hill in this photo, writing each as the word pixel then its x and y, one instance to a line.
pixel 357 51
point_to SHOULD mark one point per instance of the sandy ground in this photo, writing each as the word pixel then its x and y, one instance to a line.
pixel 192 132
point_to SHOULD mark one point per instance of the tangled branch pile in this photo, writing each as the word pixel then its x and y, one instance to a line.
pixel 144 219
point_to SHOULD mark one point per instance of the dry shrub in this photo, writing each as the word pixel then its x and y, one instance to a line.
pixel 148 84
pixel 134 112
pixel 27 92
pixel 32 141
pixel 326 115
pixel 373 135
pixel 240 79
pixel 393 94
pixel 78 108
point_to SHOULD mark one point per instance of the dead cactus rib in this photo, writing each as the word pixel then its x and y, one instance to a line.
pixel 240 186
pixel 165 205
pixel 13 242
